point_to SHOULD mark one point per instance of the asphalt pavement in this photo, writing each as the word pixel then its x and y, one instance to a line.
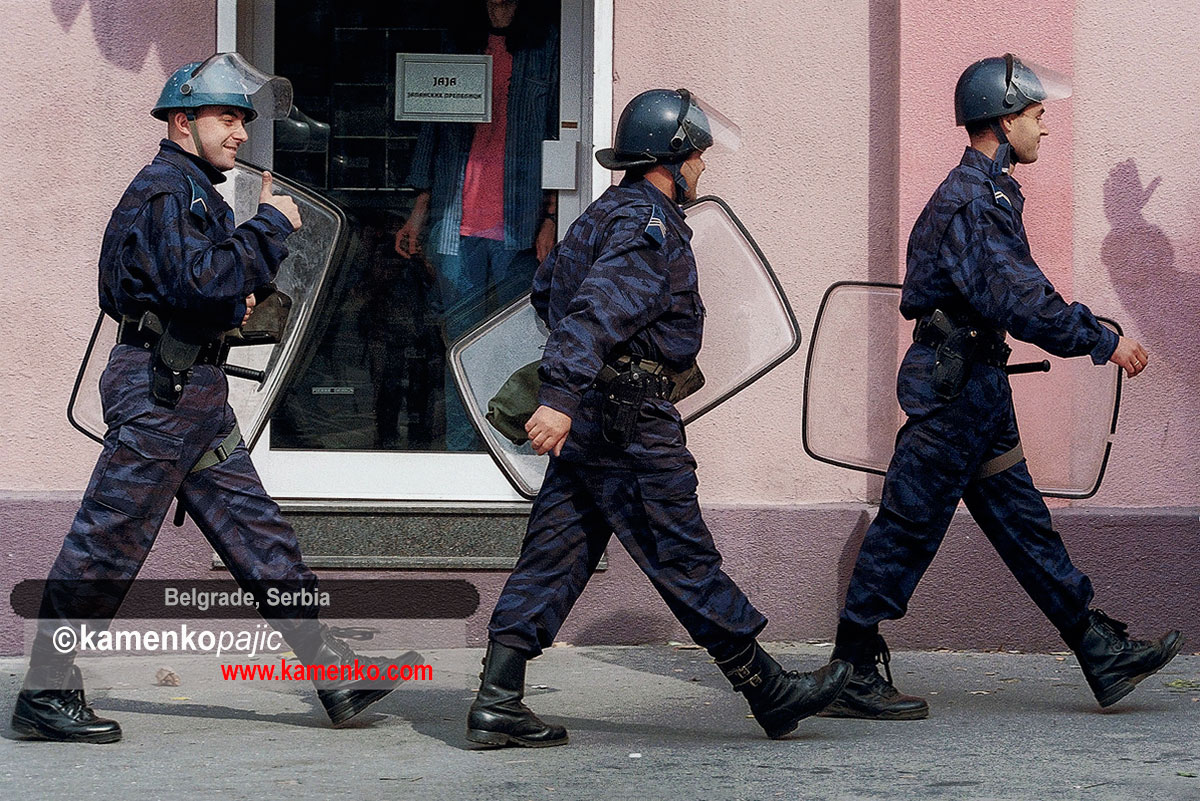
pixel 646 722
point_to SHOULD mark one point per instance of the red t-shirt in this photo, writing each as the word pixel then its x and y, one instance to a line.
pixel 483 187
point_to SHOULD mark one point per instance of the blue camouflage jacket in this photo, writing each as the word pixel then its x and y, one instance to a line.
pixel 621 282
pixel 171 246
pixel 968 255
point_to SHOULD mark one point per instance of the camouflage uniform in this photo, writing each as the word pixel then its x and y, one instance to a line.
pixel 622 282
pixel 968 256
pixel 171 247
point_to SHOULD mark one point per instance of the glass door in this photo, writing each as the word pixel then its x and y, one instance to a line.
pixel 447 216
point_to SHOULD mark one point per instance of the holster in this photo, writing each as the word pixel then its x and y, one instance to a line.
pixel 174 350
pixel 957 348
pixel 621 407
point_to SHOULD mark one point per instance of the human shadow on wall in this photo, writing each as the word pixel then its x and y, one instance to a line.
pixel 1140 260
pixel 114 22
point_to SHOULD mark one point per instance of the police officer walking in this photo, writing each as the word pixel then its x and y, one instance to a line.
pixel 176 274
pixel 970 278
pixel 619 296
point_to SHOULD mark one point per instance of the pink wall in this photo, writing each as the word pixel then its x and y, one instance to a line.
pixel 79 77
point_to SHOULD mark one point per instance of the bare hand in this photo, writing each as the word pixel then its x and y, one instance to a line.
pixel 547 429
pixel 546 236
pixel 408 238
pixel 1131 355
pixel 283 203
pixel 250 303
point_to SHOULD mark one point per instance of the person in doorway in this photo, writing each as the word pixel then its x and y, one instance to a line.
pixel 970 279
pixel 480 215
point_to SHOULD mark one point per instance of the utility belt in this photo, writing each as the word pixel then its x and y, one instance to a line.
pixel 629 382
pixel 958 347
pixel 175 352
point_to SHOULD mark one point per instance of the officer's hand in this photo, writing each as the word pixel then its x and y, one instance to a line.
pixel 283 203
pixel 545 240
pixel 250 303
pixel 1131 355
pixel 547 429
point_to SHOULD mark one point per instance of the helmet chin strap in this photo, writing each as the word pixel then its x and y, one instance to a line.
pixel 1002 161
pixel 681 184
pixel 191 118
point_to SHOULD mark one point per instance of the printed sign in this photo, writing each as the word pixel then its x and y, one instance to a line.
pixel 440 87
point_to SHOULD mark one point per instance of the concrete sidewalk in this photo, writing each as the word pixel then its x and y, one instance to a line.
pixel 645 722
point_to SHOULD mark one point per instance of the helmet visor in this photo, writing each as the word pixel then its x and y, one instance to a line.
pixel 1038 84
pixel 228 75
pixel 706 128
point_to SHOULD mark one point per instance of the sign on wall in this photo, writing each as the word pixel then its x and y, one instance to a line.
pixel 441 87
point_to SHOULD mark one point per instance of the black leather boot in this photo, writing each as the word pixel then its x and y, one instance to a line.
pixel 1112 663
pixel 51 706
pixel 869 695
pixel 343 698
pixel 497 716
pixel 781 700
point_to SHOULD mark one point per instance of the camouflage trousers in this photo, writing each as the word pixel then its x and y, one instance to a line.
pixel 656 517
pixel 147 454
pixel 938 453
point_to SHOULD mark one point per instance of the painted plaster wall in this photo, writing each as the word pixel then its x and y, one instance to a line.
pixel 79 76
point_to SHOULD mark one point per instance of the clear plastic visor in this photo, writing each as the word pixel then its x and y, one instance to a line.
pixel 726 135
pixel 1039 83
pixel 225 73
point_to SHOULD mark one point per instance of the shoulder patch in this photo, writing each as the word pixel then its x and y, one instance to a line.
pixel 198 204
pixel 656 229
pixel 1002 199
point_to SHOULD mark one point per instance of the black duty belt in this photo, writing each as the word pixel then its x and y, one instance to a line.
pixel 989 347
pixel 134 331
pixel 659 386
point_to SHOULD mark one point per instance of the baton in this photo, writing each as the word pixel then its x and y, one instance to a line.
pixel 1028 367
pixel 260 376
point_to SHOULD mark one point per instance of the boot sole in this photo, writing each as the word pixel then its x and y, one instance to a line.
pixel 350 709
pixel 497 739
pixel 837 710
pixel 30 730
pixel 1126 686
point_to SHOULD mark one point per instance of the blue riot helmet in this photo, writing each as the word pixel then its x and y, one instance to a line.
pixel 664 126
pixel 994 87
pixel 225 79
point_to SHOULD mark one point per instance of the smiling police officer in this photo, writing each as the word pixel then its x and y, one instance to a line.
pixel 176 273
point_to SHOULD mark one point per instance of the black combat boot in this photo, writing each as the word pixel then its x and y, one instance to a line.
pixel 343 698
pixel 497 716
pixel 1112 663
pixel 869 695
pixel 781 700
pixel 51 706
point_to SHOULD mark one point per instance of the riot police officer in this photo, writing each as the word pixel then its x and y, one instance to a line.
pixel 619 296
pixel 970 279
pixel 176 273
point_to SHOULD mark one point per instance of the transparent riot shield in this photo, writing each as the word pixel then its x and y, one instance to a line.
pixel 747 332
pixel 312 251
pixel 1067 413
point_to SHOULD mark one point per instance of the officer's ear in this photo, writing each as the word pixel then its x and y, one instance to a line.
pixel 1006 122
pixel 177 126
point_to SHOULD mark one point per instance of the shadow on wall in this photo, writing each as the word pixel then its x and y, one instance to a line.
pixel 124 30
pixel 1140 260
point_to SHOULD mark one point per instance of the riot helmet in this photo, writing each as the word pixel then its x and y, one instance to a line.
pixel 224 79
pixel 994 87
pixel 663 126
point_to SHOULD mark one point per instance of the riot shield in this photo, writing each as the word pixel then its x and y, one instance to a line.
pixel 311 252
pixel 1067 414
pixel 746 334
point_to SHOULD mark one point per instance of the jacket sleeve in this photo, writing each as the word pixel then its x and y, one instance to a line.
pixel 207 278
pixel 626 289
pixel 997 275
